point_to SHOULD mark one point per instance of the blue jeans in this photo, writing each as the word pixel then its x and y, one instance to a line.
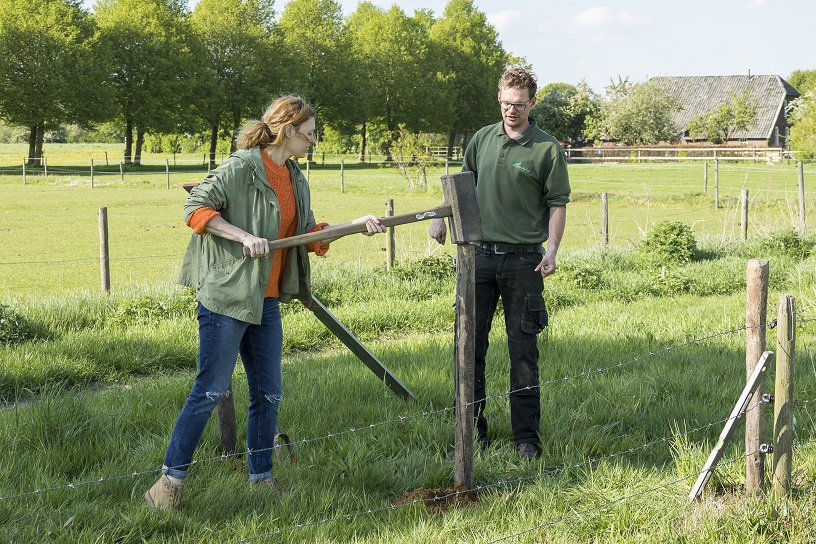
pixel 511 277
pixel 221 339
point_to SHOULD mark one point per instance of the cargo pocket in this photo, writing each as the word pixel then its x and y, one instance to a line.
pixel 535 317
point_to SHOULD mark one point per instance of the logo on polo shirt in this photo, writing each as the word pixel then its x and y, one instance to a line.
pixel 518 166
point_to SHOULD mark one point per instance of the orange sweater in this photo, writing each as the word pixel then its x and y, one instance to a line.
pixel 280 180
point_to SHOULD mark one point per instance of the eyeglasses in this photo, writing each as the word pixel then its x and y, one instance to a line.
pixel 310 137
pixel 515 105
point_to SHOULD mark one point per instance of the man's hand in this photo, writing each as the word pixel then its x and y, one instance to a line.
pixel 546 266
pixel 438 230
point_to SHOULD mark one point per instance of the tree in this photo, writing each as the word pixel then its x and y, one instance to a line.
pixel 638 113
pixel 803 80
pixel 392 49
pixel 47 77
pixel 472 61
pixel 149 61
pixel 719 124
pixel 802 113
pixel 239 50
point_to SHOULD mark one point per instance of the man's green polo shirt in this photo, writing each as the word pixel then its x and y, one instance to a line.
pixel 517 181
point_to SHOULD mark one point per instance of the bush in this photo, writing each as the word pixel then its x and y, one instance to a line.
pixel 14 328
pixel 669 243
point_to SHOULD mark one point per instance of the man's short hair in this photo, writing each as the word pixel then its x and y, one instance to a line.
pixel 519 78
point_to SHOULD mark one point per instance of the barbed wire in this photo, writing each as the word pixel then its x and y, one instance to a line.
pixel 618 500
pixel 391 421
pixel 94 260
pixel 499 484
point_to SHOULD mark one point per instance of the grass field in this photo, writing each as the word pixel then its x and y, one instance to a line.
pixel 640 368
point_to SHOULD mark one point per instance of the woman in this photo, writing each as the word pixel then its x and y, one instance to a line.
pixel 256 195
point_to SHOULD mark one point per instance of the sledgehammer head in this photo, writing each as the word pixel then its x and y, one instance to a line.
pixel 460 194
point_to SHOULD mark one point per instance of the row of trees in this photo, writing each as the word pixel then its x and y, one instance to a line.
pixel 155 68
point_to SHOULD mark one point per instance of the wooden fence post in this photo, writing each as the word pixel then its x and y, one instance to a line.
pixel 783 395
pixel 308 169
pixel 122 171
pixel 92 174
pixel 389 238
pixel 716 183
pixel 342 176
pixel 226 423
pixel 605 220
pixel 744 220
pixel 755 330
pixel 447 166
pixel 801 198
pixel 104 255
pixel 167 170
pixel 464 374
pixel 45 167
pixel 705 177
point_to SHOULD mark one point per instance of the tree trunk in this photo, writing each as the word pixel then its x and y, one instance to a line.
pixel 139 143
pixel 236 130
pixel 363 143
pixel 38 152
pixel 451 143
pixel 128 141
pixel 32 147
pixel 213 144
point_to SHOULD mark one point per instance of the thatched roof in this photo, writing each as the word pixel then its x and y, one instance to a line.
pixel 701 94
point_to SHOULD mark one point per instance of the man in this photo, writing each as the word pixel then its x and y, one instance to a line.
pixel 522 187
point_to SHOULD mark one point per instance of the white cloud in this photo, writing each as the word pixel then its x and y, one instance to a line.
pixel 594 17
pixel 506 22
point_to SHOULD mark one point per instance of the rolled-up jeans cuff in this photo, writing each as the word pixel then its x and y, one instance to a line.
pixel 174 472
pixel 255 478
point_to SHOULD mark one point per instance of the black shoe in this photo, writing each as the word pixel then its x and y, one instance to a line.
pixel 527 452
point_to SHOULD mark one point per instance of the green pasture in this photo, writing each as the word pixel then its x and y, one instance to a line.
pixel 641 365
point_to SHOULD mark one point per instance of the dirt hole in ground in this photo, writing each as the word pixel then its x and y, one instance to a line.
pixel 437 500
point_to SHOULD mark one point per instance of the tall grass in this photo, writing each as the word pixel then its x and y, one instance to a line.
pixel 642 363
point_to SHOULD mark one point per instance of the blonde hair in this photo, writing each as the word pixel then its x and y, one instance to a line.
pixel 284 112
pixel 519 78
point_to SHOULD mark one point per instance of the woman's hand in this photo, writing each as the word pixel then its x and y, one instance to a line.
pixel 372 224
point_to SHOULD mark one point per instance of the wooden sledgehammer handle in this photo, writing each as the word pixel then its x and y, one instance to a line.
pixel 338 232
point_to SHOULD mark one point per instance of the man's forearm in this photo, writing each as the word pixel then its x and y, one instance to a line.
pixel 558 220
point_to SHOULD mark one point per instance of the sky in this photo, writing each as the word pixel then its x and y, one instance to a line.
pixel 599 41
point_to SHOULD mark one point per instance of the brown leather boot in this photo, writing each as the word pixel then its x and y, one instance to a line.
pixel 165 494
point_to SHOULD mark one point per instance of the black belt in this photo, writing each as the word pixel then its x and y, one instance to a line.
pixel 501 249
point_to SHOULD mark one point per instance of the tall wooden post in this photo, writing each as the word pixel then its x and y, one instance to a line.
pixel 122 171
pixel 167 170
pixel 465 350
pixel 801 198
pixel 755 329
pixel 104 255
pixel 342 176
pixel 783 395
pixel 226 423
pixel 705 177
pixel 389 237
pixel 744 220
pixel 605 220
pixel 716 183
pixel 92 174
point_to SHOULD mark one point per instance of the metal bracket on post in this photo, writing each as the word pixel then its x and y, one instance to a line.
pixel 730 425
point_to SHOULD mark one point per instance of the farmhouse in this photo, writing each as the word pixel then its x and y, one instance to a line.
pixel 700 94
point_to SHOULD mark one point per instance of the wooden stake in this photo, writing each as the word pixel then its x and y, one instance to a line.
pixel 783 395
pixel 389 237
pixel 465 340
pixel 744 221
pixel 104 256
pixel 605 220
pixel 801 198
pixel 755 329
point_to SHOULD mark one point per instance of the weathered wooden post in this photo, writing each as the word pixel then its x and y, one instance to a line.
pixel 342 176
pixel 783 395
pixel 801 198
pixel 755 328
pixel 104 255
pixel 605 220
pixel 389 237
pixel 744 220
pixel 716 183
pixel 122 171
pixel 92 174
pixel 705 177
pixel 167 170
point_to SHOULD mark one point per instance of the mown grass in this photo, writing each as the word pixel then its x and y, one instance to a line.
pixel 642 363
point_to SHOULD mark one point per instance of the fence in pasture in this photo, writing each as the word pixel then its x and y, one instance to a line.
pixel 783 446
